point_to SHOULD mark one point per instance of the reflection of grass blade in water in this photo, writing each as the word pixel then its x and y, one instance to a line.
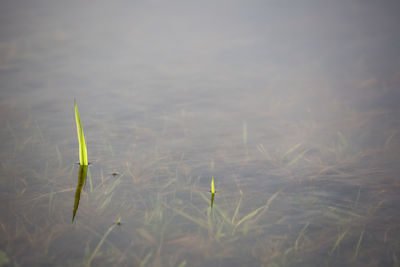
pixel 81 181
pixel 83 159
pixel 212 185
pixel 212 199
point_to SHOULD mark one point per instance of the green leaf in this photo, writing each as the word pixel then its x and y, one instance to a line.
pixel 249 216
pixel 83 159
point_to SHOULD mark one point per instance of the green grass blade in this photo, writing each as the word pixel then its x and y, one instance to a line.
pixel 297 158
pixel 301 234
pixel 212 185
pixel 338 241
pixel 249 216
pixel 236 211
pixel 291 150
pixel 268 204
pixel 199 222
pixel 358 245
pixel 146 259
pixel 89 262
pixel 83 159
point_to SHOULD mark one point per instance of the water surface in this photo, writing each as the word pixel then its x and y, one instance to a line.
pixel 291 107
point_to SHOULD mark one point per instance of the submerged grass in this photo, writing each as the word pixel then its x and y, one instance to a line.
pixel 357 250
pixel 96 250
pixel 338 241
pixel 280 206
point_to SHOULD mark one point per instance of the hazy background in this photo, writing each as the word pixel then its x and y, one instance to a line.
pixel 316 51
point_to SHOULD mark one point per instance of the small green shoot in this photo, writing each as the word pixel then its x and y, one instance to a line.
pixel 212 185
pixel 83 158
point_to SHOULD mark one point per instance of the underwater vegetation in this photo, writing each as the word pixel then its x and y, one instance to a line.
pixel 322 200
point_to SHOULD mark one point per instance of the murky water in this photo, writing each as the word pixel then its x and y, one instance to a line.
pixel 291 107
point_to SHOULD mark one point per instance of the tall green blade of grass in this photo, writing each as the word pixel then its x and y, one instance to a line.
pixel 83 159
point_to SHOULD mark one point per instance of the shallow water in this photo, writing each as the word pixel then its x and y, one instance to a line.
pixel 292 108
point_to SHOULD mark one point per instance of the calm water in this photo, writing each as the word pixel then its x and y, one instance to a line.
pixel 291 107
